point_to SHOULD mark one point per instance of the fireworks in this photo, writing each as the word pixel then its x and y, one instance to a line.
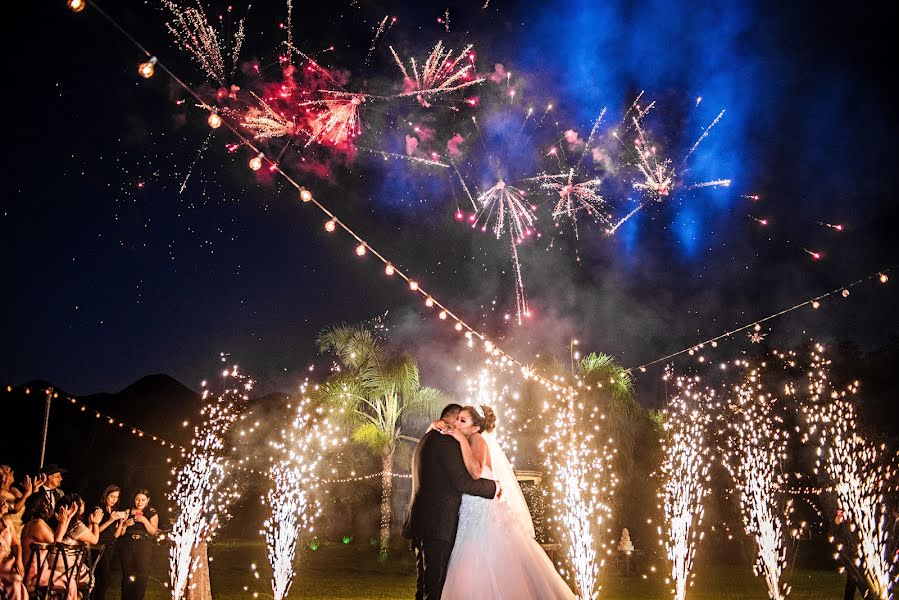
pixel 338 122
pixel 757 444
pixel 486 391
pixel 202 492
pixel 506 207
pixel 266 122
pixel 192 33
pixel 440 72
pixel 685 471
pixel 290 499
pixel 583 483
pixel 574 197
pixel 859 476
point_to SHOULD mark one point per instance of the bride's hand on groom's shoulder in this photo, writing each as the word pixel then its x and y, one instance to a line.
pixel 456 434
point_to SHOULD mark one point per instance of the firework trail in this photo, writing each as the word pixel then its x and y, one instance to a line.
pixel 338 122
pixel 859 475
pixel 583 484
pixel 202 491
pixel 757 446
pixel 504 205
pixel 378 31
pixel 291 502
pixel 685 472
pixel 440 72
pixel 659 178
pixel 192 33
pixel 267 123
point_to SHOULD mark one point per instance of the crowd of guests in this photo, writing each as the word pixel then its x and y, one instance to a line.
pixel 40 526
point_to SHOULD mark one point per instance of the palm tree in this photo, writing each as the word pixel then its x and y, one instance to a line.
pixel 375 389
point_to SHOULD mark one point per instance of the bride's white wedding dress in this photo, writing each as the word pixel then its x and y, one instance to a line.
pixel 495 555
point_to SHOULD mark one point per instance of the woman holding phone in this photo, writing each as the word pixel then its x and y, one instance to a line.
pixel 111 517
pixel 134 542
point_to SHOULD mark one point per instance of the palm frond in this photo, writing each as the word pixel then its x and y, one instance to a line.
pixel 602 368
pixel 372 436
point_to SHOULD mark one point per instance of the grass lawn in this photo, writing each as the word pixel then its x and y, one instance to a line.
pixel 353 572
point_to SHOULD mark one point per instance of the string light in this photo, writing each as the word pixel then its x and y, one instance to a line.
pixel 147 69
pixel 256 162
pixel 76 6
pixel 214 120
pixel 331 225
pixel 388 269
pixel 109 420
pixel 812 302
pixel 305 195
pixel 360 250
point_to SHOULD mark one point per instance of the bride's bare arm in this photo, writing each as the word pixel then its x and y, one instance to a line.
pixel 474 453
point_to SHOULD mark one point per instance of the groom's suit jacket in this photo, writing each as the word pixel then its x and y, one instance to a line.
pixel 439 478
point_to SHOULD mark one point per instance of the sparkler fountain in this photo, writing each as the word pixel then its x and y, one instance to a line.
pixel 685 472
pixel 203 493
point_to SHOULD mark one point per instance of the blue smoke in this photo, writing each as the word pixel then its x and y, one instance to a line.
pixel 603 53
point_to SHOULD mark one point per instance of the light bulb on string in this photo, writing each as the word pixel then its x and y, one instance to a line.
pixel 413 285
pixel 330 225
pixel 360 249
pixel 256 162
pixel 388 269
pixel 442 315
pixel 884 278
pixel 76 6
pixel 214 120
pixel 305 195
pixel 146 69
pixel 429 302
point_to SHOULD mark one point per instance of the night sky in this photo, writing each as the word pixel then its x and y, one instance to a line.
pixel 111 272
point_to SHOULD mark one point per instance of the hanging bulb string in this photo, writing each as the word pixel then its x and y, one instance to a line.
pixel 881 275
pixel 110 420
pixel 489 347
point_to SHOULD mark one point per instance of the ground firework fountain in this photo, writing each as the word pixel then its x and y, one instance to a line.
pixel 685 472
pixel 203 490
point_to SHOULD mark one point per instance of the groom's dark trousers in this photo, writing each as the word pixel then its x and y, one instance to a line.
pixel 439 478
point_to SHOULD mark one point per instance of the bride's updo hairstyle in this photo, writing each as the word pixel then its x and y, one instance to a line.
pixel 487 423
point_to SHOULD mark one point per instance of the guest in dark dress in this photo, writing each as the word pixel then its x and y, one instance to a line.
pixel 135 543
pixel 112 516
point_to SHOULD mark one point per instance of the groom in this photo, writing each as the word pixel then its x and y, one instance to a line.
pixel 439 478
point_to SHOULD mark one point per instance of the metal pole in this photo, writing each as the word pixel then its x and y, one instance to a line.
pixel 49 392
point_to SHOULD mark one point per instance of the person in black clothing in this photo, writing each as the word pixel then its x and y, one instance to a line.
pixel 109 507
pixel 134 535
pixel 439 478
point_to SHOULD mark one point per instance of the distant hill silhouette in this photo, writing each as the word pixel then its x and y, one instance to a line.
pixel 94 451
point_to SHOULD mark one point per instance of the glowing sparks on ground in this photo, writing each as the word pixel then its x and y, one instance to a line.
pixel 685 471
pixel 859 475
pixel 290 499
pixel 757 442
pixel 203 490
pixel 583 484
pixel 194 35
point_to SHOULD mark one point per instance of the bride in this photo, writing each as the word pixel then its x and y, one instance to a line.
pixel 495 539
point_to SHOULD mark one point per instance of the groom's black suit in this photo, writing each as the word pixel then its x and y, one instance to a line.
pixel 439 478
